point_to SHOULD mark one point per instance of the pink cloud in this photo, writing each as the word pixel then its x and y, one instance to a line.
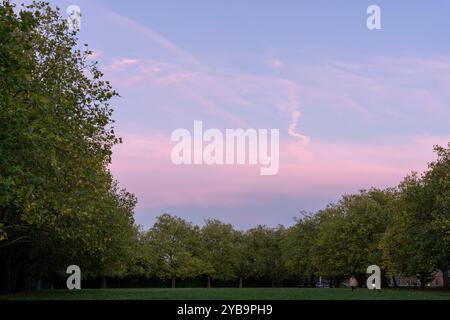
pixel 143 165
pixel 121 64
pixel 368 92
pixel 275 64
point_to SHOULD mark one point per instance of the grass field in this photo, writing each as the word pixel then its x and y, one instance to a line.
pixel 230 294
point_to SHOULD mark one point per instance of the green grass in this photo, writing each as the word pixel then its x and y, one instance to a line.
pixel 230 294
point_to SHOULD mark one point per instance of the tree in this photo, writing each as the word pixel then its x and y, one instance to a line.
pixel 350 232
pixel 298 247
pixel 174 246
pixel 113 232
pixel 437 180
pixel 140 263
pixel 265 253
pixel 242 265
pixel 329 256
pixel 409 245
pixel 56 137
pixel 367 215
pixel 218 250
pixel 416 243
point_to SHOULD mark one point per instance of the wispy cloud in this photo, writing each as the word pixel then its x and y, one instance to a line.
pixel 120 64
pixel 347 121
pixel 319 168
pixel 142 31
pixel 220 93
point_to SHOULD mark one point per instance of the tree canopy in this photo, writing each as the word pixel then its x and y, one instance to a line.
pixel 57 195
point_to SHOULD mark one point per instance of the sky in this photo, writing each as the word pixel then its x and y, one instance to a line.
pixel 355 107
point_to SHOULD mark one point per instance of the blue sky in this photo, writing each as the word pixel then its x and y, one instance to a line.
pixel 355 108
pixel 212 27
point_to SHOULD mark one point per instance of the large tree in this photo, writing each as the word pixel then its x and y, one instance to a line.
pixel 219 253
pixel 437 179
pixel 264 250
pixel 56 139
pixel 350 231
pixel 174 247
pixel 242 266
pixel 417 242
pixel 297 247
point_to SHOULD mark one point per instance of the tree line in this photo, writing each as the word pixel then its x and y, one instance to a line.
pixel 58 201
pixel 60 205
pixel 404 230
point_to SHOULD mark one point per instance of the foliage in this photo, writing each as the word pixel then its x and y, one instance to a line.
pixel 219 254
pixel 174 247
pixel 56 137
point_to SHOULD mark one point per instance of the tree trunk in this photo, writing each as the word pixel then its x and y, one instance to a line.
pixel 12 269
pixel 422 280
pixel 240 282
pixel 361 280
pixel 104 285
pixel 394 281
pixel 209 282
pixel 312 281
pixel 6 286
pixel 445 278
pixel 173 282
pixel 337 282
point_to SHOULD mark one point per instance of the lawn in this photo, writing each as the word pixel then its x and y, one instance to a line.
pixel 230 294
